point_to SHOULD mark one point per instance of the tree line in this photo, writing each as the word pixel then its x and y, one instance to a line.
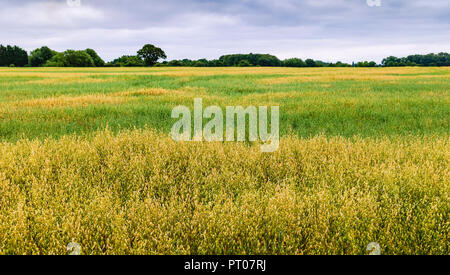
pixel 149 55
pixel 432 60
pixel 14 56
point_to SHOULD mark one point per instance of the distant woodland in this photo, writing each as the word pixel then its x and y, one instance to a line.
pixel 150 55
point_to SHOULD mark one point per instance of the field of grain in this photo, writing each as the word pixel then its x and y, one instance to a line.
pixel 85 156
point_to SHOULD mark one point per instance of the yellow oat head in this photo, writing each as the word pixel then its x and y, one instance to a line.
pixel 139 192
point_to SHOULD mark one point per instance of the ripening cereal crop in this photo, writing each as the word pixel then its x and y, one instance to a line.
pixel 86 157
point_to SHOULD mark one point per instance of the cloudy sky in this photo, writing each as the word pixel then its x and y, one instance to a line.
pixel 328 30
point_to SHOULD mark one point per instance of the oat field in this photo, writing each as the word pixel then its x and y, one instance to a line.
pixel 86 157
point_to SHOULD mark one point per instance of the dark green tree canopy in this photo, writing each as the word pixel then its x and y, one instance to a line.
pixel 40 56
pixel 310 63
pixel 366 64
pixel 440 59
pixel 98 61
pixel 71 58
pixel 244 63
pixel 127 61
pixel 13 55
pixel 294 62
pixel 151 54
pixel 253 59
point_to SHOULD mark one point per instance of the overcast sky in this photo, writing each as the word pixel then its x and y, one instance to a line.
pixel 328 30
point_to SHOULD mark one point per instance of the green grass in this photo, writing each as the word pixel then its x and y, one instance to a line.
pixel 399 102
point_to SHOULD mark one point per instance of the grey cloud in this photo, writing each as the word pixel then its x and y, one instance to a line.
pixel 331 30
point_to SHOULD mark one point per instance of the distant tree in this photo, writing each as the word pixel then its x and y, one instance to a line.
pixel 20 57
pixel 244 63
pixel 412 60
pixel 40 56
pixel 79 59
pixel 253 59
pixel 13 55
pixel 415 59
pixel 215 63
pixel 98 61
pixel 443 59
pixel 71 58
pixel 151 54
pixel 268 60
pixel 175 63
pixel 127 61
pixel 186 62
pixel 2 55
pixel 58 60
pixel 294 62
pixel 199 63
pixel 366 64
pixel 321 63
pixel 310 63
pixel 340 64
pixel 390 61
